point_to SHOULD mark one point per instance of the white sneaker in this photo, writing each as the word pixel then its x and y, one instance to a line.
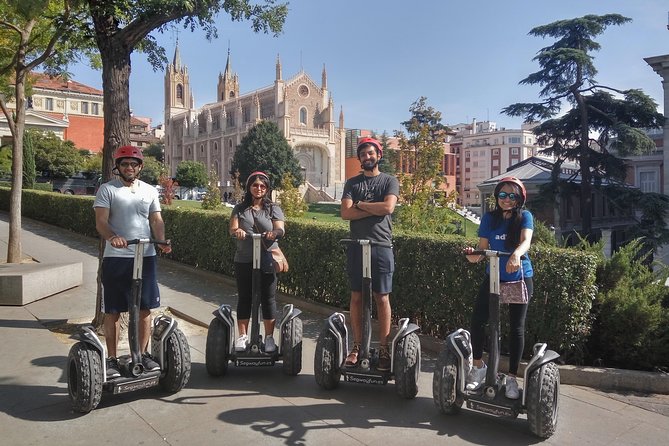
pixel 270 345
pixel 512 388
pixel 240 343
pixel 476 377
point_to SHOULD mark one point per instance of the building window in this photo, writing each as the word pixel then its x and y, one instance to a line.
pixel 230 120
pixel 180 91
pixel 95 108
pixel 648 181
pixel 303 116
pixel 246 111
pixel 515 150
pixel 48 104
pixel 514 139
pixel 495 151
pixel 84 108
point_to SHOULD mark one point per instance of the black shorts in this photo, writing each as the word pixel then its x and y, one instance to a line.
pixel 383 266
pixel 117 284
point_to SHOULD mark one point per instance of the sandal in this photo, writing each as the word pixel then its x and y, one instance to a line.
pixel 352 358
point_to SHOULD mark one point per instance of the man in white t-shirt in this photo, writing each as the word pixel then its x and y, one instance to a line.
pixel 127 208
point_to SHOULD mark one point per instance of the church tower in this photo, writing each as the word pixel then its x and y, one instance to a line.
pixel 178 94
pixel 228 83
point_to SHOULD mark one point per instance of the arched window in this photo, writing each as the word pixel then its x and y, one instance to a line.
pixel 201 148
pixel 180 91
pixel 303 116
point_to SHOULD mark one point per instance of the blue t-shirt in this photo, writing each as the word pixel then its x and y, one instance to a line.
pixel 497 236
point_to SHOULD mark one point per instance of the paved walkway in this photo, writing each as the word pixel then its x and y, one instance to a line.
pixel 251 406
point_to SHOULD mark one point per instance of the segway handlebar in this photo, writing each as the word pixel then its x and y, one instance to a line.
pixel 141 241
pixel 491 253
pixel 251 234
pixel 347 241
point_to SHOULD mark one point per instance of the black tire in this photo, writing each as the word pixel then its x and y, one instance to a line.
pixel 326 369
pixel 177 362
pixel 84 377
pixel 407 366
pixel 291 347
pixel 216 353
pixel 543 400
pixel 444 383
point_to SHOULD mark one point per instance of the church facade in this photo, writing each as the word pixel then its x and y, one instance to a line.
pixel 303 110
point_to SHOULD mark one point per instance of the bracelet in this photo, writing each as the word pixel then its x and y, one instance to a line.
pixel 355 205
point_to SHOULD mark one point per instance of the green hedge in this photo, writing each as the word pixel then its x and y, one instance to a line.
pixel 434 285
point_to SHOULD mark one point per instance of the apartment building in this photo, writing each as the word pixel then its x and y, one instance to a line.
pixel 483 151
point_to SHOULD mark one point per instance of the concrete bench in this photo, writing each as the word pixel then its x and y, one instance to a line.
pixel 22 283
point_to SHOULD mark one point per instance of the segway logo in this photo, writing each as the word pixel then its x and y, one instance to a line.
pixel 260 362
pixel 365 379
pixel 136 385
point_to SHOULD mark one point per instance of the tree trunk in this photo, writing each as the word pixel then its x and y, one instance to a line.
pixel 14 243
pixel 586 177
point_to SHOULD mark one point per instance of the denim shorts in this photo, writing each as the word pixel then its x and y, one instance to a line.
pixel 117 284
pixel 383 266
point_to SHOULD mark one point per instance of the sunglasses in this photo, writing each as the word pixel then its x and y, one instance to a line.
pixel 129 164
pixel 511 196
pixel 259 186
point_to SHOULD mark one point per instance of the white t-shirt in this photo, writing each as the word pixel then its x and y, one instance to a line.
pixel 129 209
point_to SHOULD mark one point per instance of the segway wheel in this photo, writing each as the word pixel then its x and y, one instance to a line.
pixel 177 362
pixel 326 369
pixel 407 366
pixel 216 353
pixel 291 347
pixel 444 383
pixel 543 400
pixel 84 377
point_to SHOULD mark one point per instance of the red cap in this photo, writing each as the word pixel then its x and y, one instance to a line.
pixel 129 152
pixel 517 182
pixel 372 141
pixel 257 172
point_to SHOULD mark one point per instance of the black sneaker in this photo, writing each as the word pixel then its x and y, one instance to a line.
pixel 112 368
pixel 149 364
pixel 384 359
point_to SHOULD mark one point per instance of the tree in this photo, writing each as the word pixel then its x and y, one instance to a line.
pixel 390 158
pixel 421 153
pixel 191 174
pixel 28 162
pixel 151 171
pixel 156 150
pixel 121 27
pixel 31 31
pixel 601 118
pixel 59 158
pixel 291 201
pixel 264 148
pixel 212 200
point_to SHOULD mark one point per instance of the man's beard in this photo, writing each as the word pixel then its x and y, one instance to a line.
pixel 369 165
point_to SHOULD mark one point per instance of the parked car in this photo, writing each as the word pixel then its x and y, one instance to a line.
pixel 81 183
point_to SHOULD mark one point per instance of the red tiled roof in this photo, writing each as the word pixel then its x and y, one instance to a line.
pixel 59 84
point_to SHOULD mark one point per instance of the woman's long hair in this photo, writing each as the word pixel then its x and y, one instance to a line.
pixel 248 198
pixel 512 239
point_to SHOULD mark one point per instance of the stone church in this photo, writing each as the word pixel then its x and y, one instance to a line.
pixel 303 110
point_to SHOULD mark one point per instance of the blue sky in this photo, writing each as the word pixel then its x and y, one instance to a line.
pixel 465 57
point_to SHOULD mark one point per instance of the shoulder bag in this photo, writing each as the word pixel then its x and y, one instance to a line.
pixel 514 292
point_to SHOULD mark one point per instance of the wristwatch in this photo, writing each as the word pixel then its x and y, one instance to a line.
pixel 355 205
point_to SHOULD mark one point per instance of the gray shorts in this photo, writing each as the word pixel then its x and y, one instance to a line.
pixel 383 266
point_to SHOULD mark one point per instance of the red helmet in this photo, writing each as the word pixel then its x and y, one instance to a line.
pixel 129 152
pixel 364 141
pixel 257 173
pixel 517 182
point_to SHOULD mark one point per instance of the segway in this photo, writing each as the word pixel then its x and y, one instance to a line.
pixel 540 398
pixel 87 365
pixel 222 330
pixel 332 344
